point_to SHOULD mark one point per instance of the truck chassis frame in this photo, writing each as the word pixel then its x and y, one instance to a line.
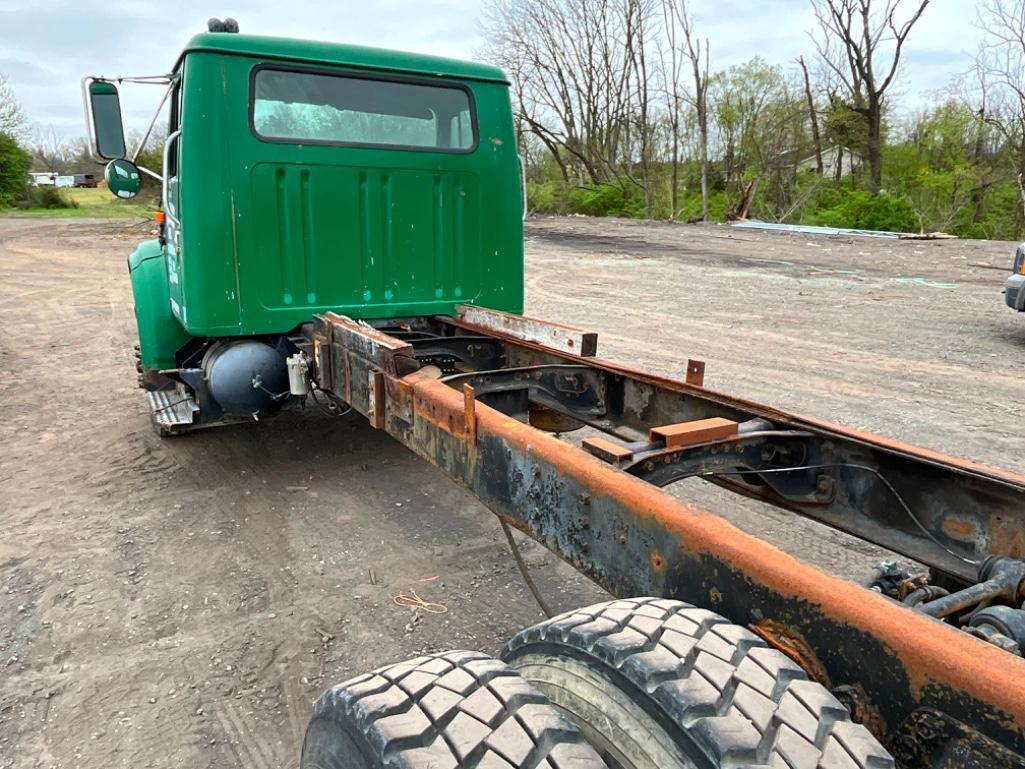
pixel 463 392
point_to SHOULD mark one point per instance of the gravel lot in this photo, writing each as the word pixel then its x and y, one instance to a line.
pixel 180 603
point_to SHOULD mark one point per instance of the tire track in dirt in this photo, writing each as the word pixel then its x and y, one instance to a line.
pixel 246 743
pixel 144 566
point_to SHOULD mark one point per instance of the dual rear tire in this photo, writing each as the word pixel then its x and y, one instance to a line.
pixel 630 684
pixel 444 711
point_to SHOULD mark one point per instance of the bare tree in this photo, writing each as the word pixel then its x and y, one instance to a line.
pixel 812 116
pixel 861 42
pixel 49 150
pixel 672 62
pixel 574 71
pixel 12 117
pixel 698 55
pixel 638 24
pixel 1000 75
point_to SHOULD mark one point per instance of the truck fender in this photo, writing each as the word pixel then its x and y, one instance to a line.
pixel 160 333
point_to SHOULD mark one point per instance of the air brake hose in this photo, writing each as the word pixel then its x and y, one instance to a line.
pixel 523 570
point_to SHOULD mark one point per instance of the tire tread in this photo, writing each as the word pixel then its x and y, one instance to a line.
pixel 457 710
pixel 743 702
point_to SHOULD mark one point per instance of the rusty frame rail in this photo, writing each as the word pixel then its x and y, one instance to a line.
pixel 898 665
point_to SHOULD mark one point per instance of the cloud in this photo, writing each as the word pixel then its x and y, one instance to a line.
pixel 46 49
pixel 45 53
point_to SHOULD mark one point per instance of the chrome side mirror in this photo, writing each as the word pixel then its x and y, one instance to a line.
pixel 103 111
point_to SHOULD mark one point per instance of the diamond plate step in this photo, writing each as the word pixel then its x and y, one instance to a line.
pixel 172 408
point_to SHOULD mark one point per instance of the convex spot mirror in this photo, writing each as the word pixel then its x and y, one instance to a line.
pixel 122 177
pixel 106 131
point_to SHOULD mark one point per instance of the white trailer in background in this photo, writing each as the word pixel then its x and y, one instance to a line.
pixel 45 179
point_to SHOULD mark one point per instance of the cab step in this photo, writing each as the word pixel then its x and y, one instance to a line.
pixel 173 410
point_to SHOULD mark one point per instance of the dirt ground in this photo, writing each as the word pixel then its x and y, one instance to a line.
pixel 180 603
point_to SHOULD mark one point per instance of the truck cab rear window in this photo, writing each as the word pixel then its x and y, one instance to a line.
pixel 315 108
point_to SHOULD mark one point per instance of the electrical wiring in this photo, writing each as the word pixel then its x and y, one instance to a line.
pixel 865 468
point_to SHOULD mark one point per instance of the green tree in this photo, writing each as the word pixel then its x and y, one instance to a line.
pixel 845 129
pixel 761 127
pixel 14 165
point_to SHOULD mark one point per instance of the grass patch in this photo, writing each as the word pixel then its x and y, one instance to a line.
pixel 97 202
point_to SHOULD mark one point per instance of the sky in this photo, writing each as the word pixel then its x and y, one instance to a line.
pixel 47 46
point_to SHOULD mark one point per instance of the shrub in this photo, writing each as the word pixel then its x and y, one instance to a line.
pixel 14 166
pixel 997 217
pixel 857 209
pixel 47 196
pixel 546 197
pixel 690 206
pixel 605 200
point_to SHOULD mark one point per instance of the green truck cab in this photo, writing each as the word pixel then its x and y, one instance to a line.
pixel 301 178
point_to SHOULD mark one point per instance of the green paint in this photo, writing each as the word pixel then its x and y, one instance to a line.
pixel 122 178
pixel 353 56
pixel 275 231
pixel 160 334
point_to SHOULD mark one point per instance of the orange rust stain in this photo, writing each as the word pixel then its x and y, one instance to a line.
pixel 958 529
pixel 792 644
pixel 930 651
pixel 760 409
pixel 416 376
pixel 658 563
pixel 863 711
pixel 1007 538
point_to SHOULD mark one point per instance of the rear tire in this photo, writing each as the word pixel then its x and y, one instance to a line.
pixel 660 684
pixel 446 711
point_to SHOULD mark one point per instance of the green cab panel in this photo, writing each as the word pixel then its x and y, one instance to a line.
pixel 378 242
pixel 160 333
pixel 272 230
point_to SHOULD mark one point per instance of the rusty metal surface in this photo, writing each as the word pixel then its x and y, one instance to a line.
pixel 375 399
pixel 365 341
pixel 638 541
pixel 695 373
pixel 693 433
pixel 792 644
pixel 762 410
pixel 633 539
pixel 960 511
pixel 470 414
pixel 556 336
pixel 604 449
pixel 930 739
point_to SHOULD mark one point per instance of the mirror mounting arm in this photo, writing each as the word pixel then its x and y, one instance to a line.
pixel 153 121
pixel 144 79
pixel 152 174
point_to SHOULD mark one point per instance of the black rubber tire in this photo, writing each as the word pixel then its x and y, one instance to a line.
pixel 446 711
pixel 656 683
